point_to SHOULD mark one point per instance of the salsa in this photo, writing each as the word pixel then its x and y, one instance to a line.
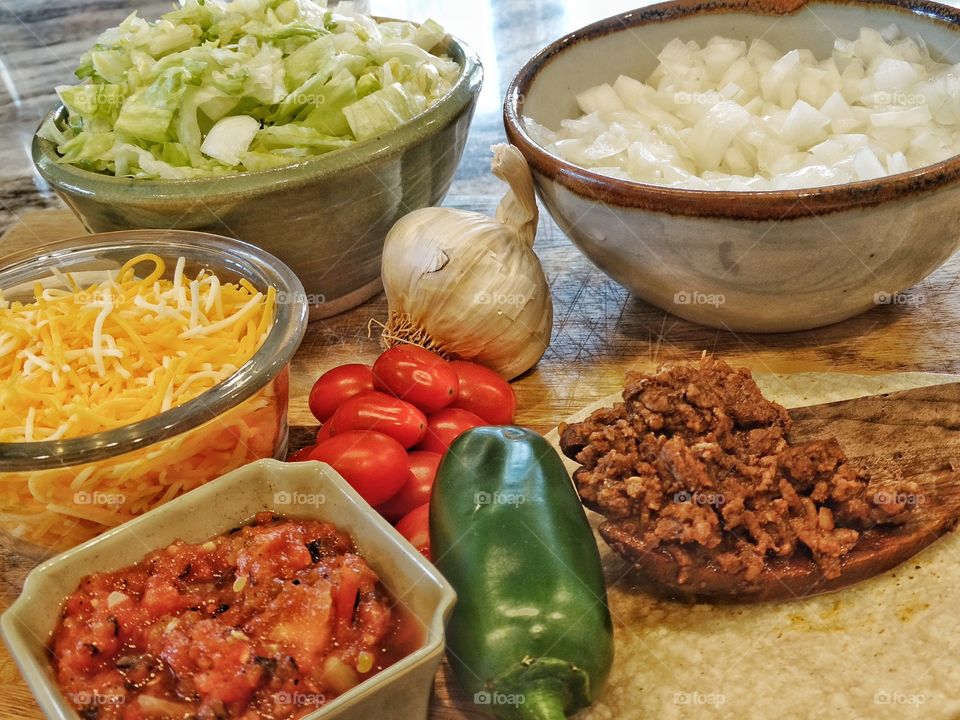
pixel 271 620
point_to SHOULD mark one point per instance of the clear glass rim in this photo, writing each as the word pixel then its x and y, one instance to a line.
pixel 282 341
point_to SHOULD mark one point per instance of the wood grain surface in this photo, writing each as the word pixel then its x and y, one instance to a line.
pixel 599 332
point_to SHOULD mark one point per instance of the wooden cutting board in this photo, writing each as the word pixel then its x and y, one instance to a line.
pixel 600 331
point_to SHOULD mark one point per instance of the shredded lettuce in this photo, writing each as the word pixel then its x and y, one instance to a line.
pixel 217 87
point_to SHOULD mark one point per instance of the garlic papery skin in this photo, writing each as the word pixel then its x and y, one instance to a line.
pixel 469 286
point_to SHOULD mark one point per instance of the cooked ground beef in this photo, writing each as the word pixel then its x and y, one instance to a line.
pixel 697 460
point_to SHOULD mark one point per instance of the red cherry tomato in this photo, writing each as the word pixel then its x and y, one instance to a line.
pixel 415 527
pixel 323 433
pixel 374 464
pixel 416 491
pixel 301 454
pixel 484 393
pixel 416 375
pixel 383 413
pixel 336 385
pixel 445 426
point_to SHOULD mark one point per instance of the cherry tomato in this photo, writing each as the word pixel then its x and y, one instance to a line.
pixel 445 426
pixel 383 413
pixel 416 491
pixel 336 385
pixel 484 393
pixel 415 527
pixel 416 375
pixel 374 464
pixel 301 454
pixel 323 433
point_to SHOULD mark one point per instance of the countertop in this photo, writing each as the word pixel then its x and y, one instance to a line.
pixel 600 330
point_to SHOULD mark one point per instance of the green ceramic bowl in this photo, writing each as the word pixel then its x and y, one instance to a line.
pixel 325 217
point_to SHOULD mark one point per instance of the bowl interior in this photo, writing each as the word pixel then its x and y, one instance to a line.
pixel 93 258
pixel 630 43
pixel 296 490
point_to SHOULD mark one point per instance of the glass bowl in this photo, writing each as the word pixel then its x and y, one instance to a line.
pixel 57 494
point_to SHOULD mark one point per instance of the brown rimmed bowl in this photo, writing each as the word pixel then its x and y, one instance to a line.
pixel 765 261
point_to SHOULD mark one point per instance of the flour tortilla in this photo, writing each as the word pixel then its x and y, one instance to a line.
pixel 886 648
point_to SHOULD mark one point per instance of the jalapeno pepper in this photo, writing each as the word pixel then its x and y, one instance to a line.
pixel 530 637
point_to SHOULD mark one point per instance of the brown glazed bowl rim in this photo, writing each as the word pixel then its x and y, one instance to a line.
pixel 78 181
pixel 751 205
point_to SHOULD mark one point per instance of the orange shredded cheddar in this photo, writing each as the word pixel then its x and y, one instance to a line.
pixel 82 359
pixel 87 359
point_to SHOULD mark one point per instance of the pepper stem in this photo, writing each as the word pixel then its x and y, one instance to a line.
pixel 542 703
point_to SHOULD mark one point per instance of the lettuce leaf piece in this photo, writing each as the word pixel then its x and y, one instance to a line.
pixel 89 150
pixel 315 90
pixel 142 163
pixel 110 64
pixel 261 160
pixel 147 114
pixel 429 34
pixel 326 114
pixel 265 79
pixel 187 125
pixel 383 110
pixel 304 62
pixel 293 135
pixel 175 154
pixel 93 99
pixel 49 130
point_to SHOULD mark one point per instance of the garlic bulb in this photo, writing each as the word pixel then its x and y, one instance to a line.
pixel 469 286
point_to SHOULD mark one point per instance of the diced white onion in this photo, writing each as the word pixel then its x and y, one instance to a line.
pixel 737 116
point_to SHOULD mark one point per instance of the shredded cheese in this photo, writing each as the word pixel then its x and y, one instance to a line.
pixel 87 356
pixel 82 359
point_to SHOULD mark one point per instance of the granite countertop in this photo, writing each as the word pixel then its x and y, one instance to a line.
pixel 42 40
